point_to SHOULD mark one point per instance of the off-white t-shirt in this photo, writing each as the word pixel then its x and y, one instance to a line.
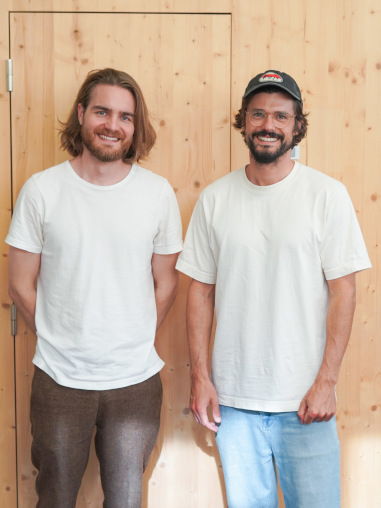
pixel 95 310
pixel 270 251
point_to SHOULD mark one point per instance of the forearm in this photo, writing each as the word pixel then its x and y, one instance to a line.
pixel 200 312
pixel 26 304
pixel 165 297
pixel 23 270
pixel 342 302
pixel 165 283
pixel 319 403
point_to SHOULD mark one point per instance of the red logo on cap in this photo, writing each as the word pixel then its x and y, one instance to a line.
pixel 271 76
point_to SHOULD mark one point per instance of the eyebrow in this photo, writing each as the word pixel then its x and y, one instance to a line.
pixel 107 110
pixel 278 111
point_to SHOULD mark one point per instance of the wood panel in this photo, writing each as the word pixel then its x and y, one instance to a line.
pixel 341 74
pixel 331 48
pixel 176 64
pixel 7 397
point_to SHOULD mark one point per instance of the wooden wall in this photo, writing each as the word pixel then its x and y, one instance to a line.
pixel 332 49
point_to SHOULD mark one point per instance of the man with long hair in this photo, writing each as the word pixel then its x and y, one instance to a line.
pixel 274 246
pixel 93 246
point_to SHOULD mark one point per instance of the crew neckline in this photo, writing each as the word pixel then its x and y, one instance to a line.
pixel 267 189
pixel 101 187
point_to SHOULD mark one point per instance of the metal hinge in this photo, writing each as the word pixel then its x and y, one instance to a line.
pixel 9 75
pixel 13 319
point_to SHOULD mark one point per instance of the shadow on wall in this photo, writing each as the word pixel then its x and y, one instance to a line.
pixel 202 438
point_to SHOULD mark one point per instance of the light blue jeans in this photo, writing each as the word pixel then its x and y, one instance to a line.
pixel 307 458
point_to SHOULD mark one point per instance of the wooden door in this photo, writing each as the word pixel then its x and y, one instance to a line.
pixel 182 63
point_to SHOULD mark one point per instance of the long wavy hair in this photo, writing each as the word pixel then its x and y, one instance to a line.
pixel 144 134
pixel 301 122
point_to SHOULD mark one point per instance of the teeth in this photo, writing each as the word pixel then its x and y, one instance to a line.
pixel 266 138
pixel 108 138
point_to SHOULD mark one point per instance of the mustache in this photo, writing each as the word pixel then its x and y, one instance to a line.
pixel 271 134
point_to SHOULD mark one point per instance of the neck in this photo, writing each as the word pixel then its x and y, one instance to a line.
pixel 97 172
pixel 269 174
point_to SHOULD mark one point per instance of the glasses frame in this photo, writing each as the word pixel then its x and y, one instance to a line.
pixel 275 121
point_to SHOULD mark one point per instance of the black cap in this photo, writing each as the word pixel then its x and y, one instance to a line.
pixel 274 78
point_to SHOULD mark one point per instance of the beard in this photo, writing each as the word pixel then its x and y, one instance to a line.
pixel 103 152
pixel 266 156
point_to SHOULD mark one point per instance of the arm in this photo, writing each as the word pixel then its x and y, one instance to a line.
pixel 23 270
pixel 165 279
pixel 200 309
pixel 319 404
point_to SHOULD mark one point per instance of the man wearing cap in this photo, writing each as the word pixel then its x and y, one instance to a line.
pixel 273 247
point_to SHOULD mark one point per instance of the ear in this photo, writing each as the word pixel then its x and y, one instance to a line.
pixel 81 111
pixel 297 127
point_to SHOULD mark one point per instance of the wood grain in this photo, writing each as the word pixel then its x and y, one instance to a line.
pixel 331 48
pixel 176 65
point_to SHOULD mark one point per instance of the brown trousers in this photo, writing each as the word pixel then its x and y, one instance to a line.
pixel 63 420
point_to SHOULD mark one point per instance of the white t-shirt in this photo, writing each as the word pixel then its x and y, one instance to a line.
pixel 270 250
pixel 95 310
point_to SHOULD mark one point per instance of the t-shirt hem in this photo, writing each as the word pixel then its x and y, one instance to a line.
pixel 95 384
pixel 172 249
pixel 260 405
pixel 183 267
pixel 19 244
pixel 356 266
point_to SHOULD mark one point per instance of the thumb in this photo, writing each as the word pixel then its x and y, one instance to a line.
pixel 216 411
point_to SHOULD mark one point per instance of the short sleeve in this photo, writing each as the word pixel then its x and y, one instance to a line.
pixel 169 239
pixel 197 259
pixel 26 229
pixel 343 250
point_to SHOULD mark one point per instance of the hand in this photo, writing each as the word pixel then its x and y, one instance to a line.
pixel 203 395
pixel 319 404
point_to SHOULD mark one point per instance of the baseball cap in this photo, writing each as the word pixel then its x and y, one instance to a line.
pixel 274 78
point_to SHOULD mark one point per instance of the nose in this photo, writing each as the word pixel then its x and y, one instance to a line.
pixel 112 122
pixel 268 122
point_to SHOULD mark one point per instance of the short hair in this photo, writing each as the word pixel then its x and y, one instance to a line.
pixel 144 134
pixel 298 110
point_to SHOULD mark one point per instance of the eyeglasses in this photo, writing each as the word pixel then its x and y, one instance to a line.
pixel 258 116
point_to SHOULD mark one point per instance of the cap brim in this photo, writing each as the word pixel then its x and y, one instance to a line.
pixel 262 85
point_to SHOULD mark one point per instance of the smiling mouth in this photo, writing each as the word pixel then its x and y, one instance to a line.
pixel 267 139
pixel 267 136
pixel 108 138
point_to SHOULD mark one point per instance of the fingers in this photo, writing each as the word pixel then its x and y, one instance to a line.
pixel 324 418
pixel 308 418
pixel 202 396
pixel 309 415
pixel 201 417
pixel 317 406
pixel 302 411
